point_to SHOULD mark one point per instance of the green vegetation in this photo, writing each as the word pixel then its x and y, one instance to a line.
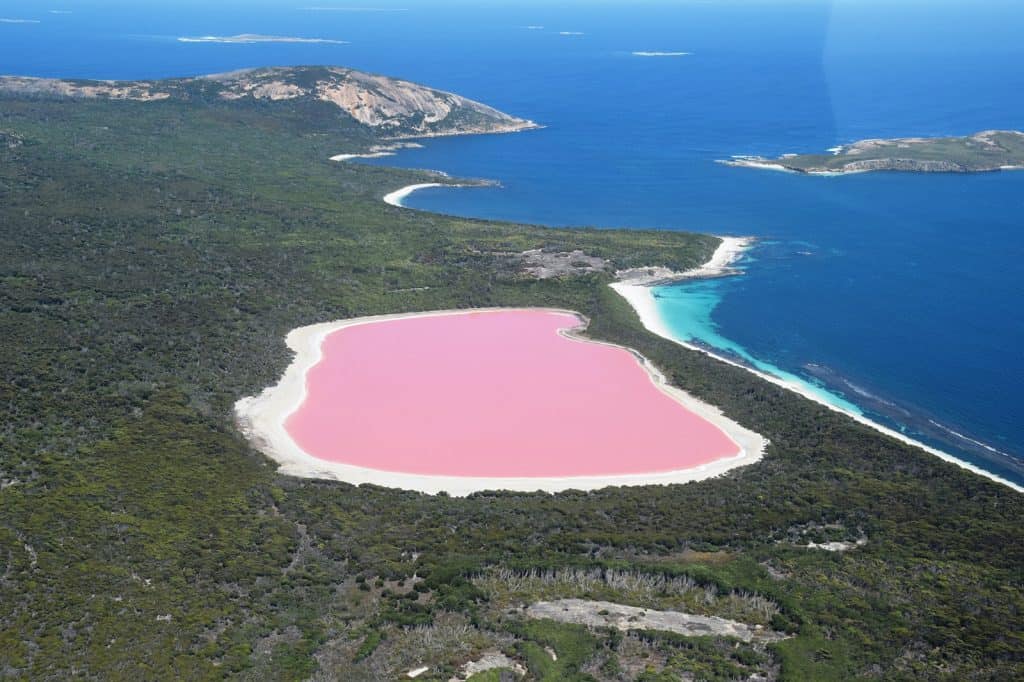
pixel 990 150
pixel 378 105
pixel 152 258
pixel 705 658
pixel 573 646
pixel 493 675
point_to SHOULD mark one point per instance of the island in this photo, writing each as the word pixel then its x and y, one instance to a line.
pixel 167 245
pixel 990 150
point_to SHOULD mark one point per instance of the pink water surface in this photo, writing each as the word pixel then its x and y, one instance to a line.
pixel 493 394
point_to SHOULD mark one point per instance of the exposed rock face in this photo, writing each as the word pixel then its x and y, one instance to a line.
pixel 542 264
pixel 603 614
pixel 393 108
pixel 491 660
pixel 142 91
pixel 912 165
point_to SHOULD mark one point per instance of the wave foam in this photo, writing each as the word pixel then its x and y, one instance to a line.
pixel 986 446
pixel 354 9
pixel 641 53
pixel 250 38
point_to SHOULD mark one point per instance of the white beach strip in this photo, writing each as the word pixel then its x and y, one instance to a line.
pixel 369 155
pixel 720 265
pixel 395 198
pixel 727 253
pixel 377 151
pixel 641 298
pixel 262 419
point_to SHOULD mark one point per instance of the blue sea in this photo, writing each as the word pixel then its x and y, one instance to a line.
pixel 899 295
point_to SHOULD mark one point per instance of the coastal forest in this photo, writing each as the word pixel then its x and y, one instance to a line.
pixel 153 255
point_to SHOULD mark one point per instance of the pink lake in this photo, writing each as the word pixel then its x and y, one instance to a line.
pixel 493 394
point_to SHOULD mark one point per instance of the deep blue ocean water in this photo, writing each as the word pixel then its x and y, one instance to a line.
pixel 900 293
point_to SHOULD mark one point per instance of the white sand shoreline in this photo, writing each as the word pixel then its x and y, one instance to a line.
pixel 367 155
pixel 262 418
pixel 377 151
pixel 719 265
pixel 640 297
pixel 399 195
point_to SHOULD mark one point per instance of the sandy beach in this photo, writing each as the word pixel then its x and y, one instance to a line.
pixel 719 265
pixel 368 155
pixel 395 198
pixel 639 295
pixel 262 418
pixel 377 151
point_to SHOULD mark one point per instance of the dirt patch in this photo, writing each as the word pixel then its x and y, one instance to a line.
pixel 603 614
pixel 491 660
pixel 542 264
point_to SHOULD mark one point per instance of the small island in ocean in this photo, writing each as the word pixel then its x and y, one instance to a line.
pixel 990 150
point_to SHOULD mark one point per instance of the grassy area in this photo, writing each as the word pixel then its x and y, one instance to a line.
pixel 152 258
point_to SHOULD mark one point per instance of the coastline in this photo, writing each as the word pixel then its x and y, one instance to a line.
pixel 773 165
pixel 518 126
pixel 377 151
pixel 768 164
pixel 261 419
pixel 638 294
pixel 719 265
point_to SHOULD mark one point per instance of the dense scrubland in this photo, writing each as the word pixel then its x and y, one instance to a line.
pixel 153 256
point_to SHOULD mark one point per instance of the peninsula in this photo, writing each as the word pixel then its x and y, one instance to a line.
pixel 387 108
pixel 990 150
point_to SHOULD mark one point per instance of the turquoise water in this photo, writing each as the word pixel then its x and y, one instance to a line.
pixel 897 293
pixel 687 311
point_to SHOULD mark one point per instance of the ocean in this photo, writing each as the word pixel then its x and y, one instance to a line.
pixel 896 294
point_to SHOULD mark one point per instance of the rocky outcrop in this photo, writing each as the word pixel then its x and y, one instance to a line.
pixel 603 614
pixel 142 91
pixel 541 264
pixel 393 108
pixel 908 165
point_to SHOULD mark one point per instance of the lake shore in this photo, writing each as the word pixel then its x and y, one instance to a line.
pixel 262 419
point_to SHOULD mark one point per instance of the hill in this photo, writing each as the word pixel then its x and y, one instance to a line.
pixel 389 107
